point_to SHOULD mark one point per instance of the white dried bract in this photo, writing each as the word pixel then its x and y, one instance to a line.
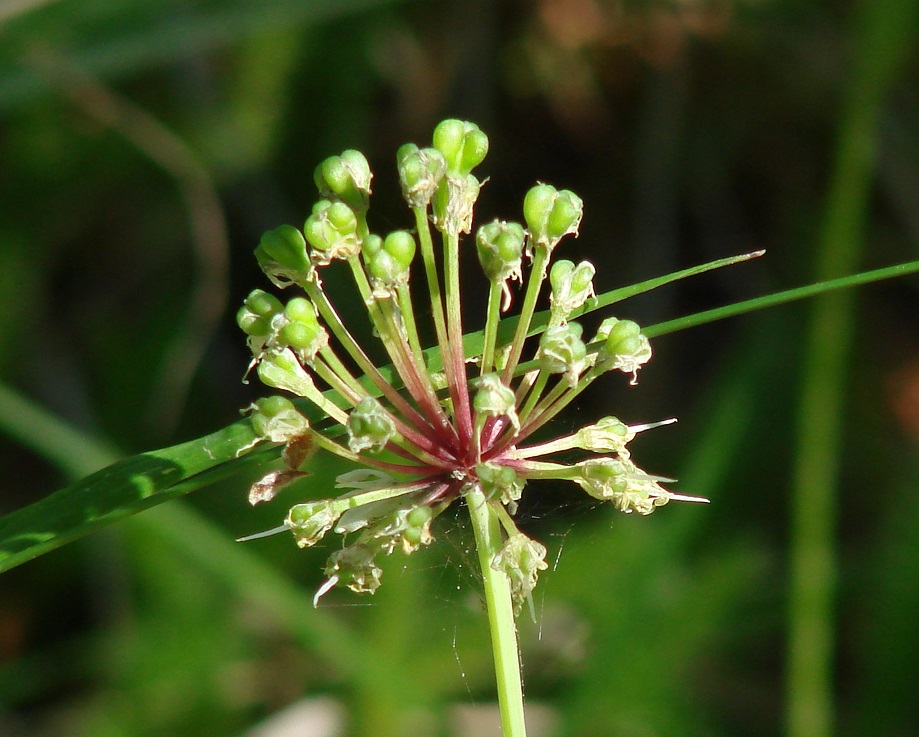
pixel 282 370
pixel 310 521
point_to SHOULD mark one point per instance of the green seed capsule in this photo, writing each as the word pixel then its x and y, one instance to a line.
pixel 346 177
pixel 417 516
pixel 263 304
pixel 257 312
pixel 608 435
pixel 475 148
pixel 500 249
pixel 622 337
pixel 448 139
pixel 331 176
pixel 331 230
pixel 300 309
pixel 499 482
pixel 310 521
pixel 383 268
pixel 412 535
pixel 401 246
pixel 462 144
pixel 341 217
pixel 561 351
pixel 276 419
pixel 551 214
pixel 388 261
pixel 565 216
pixel 411 168
pixel 371 245
pixel 299 336
pixel 286 247
pixel 252 324
pixel 420 172
pixel 282 370
pixel 274 405
pixel 537 205
pixel 369 427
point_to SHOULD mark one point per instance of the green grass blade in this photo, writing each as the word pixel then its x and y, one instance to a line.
pixel 780 298
pixel 474 342
pixel 541 319
pixel 121 489
pixel 203 543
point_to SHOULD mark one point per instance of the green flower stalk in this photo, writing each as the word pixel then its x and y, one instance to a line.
pixel 427 441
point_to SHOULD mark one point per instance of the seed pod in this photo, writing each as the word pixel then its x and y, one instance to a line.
pixel 500 248
pixel 369 427
pixel 281 254
pixel 281 369
pixel 355 568
pixel 276 419
pixel 256 315
pixel 561 351
pixel 332 231
pixel 499 482
pixel 494 398
pixel 311 521
pixel 346 178
pixel 388 260
pixel 551 214
pixel 624 347
pixel 463 145
pixel 521 559
pixel 572 286
pixel 624 484
pixel 420 172
pixel 453 204
pixel 609 435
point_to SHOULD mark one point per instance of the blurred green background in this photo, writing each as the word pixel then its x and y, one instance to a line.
pixel 145 146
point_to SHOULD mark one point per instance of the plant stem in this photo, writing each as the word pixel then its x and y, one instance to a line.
pixel 459 388
pixel 447 354
pixel 334 323
pixel 487 528
pixel 537 276
pixel 493 317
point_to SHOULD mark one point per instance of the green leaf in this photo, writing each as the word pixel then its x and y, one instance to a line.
pixel 780 298
pixel 124 488
pixel 199 541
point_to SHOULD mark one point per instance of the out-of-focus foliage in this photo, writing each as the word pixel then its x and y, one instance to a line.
pixel 145 146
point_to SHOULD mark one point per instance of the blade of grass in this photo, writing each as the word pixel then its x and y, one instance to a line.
pixel 121 489
pixel 887 28
pixel 208 546
pixel 474 342
pixel 780 298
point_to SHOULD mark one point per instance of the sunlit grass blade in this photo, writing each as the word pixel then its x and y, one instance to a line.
pixel 770 300
pixel 206 545
pixel 633 290
pixel 779 298
pixel 119 490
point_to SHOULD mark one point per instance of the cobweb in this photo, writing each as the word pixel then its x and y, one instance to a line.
pixel 450 583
